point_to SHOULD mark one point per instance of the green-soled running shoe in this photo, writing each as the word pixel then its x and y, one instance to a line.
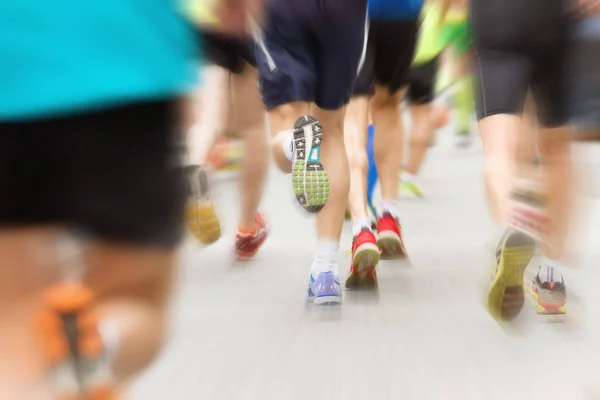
pixel 412 188
pixel 309 179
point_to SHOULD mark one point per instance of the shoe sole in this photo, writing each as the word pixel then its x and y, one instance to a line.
pixel 309 180
pixel 544 308
pixel 391 246
pixel 327 300
pixel 506 296
pixel 366 259
pixel 415 191
pixel 203 223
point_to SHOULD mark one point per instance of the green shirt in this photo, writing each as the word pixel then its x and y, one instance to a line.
pixel 429 44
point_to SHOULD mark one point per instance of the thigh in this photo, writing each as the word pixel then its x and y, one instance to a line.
pixel 341 45
pixel 394 53
pixel 125 168
pixel 421 82
pixel 287 61
pixel 249 110
pixel 502 81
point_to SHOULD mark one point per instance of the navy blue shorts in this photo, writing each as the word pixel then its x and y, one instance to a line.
pixel 313 58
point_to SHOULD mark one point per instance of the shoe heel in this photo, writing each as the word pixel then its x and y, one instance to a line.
pixel 366 258
pixel 391 248
pixel 203 223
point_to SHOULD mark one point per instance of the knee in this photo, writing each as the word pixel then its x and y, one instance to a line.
pixel 384 102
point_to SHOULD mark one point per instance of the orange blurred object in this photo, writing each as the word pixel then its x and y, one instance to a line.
pixel 226 155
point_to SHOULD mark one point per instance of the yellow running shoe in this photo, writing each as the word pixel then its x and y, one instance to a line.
pixel 200 214
pixel 506 295
pixel 412 188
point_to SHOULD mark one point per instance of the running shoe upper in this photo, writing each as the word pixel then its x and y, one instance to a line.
pixel 247 244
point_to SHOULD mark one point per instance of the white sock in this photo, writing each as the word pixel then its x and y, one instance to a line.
pixel 550 270
pixel 408 177
pixel 390 206
pixel 359 223
pixel 325 258
pixel 288 144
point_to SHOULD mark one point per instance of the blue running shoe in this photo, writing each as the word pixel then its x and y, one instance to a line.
pixel 325 289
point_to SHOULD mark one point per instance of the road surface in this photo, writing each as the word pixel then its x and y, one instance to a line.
pixel 244 332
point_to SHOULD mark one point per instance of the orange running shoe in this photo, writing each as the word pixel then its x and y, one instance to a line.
pixel 247 244
pixel 226 155
pixel 79 364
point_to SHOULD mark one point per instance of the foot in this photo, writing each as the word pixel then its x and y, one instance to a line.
pixel 513 254
pixel 309 179
pixel 325 289
pixel 389 237
pixel 550 292
pixel 201 217
pixel 247 244
pixel 365 256
pixel 78 361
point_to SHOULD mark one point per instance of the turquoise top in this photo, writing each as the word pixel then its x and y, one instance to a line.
pixel 69 55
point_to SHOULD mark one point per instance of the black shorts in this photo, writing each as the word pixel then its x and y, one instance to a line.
pixel 310 59
pixel 520 46
pixel 421 82
pixel 110 174
pixel 390 50
pixel 586 71
pixel 228 52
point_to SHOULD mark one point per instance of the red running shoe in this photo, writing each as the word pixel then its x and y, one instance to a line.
pixel 389 237
pixel 247 244
pixel 365 256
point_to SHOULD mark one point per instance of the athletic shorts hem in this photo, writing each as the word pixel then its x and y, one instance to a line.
pixel 423 101
pixel 282 101
pixel 328 107
pixel 490 113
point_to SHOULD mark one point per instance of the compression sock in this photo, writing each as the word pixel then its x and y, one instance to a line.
pixel 464 104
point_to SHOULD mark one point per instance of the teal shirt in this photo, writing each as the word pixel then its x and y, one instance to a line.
pixel 59 56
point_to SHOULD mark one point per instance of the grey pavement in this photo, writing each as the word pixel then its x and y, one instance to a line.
pixel 244 332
